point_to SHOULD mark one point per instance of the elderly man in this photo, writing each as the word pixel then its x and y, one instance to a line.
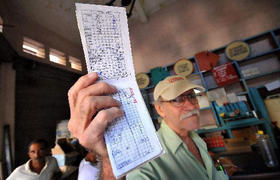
pixel 40 166
pixel 186 155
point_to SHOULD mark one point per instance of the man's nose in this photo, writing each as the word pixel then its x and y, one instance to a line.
pixel 37 154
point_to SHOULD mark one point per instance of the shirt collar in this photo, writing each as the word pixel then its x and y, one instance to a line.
pixel 172 140
pixel 27 165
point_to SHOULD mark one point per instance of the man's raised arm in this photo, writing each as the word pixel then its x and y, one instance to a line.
pixel 92 109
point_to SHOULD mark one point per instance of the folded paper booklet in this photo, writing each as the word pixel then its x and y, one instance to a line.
pixel 132 139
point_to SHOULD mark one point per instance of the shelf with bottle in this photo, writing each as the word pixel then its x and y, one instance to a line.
pixel 267 150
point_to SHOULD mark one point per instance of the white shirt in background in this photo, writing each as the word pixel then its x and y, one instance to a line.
pixel 24 172
pixel 88 170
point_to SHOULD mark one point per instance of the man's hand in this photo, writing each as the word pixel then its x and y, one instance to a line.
pixel 91 111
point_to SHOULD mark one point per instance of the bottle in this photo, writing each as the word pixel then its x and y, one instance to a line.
pixel 266 149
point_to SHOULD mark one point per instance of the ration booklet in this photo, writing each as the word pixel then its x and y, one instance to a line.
pixel 132 139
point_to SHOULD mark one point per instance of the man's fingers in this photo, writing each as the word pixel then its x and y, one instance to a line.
pixel 93 104
pixel 100 88
pixel 91 111
pixel 95 131
pixel 83 82
pixel 102 119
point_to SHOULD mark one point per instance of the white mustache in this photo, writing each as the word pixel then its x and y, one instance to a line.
pixel 189 114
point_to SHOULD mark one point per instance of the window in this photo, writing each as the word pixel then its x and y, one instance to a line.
pixel 57 57
pixel 33 47
pixel 1 25
pixel 75 63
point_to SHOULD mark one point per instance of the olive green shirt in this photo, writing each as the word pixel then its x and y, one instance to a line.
pixel 178 162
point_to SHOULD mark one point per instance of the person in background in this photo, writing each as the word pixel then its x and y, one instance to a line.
pixel 186 155
pixel 39 166
pixel 89 168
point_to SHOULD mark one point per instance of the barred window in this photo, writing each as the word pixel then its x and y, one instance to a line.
pixel 57 57
pixel 75 63
pixel 33 47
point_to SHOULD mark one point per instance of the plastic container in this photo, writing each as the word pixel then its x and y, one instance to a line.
pixel 267 150
pixel 272 104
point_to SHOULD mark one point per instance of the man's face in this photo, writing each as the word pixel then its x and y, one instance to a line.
pixel 178 115
pixel 37 152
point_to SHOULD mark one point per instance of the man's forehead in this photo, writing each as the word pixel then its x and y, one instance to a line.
pixel 36 146
pixel 191 91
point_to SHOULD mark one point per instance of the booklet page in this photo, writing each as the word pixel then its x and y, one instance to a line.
pixel 131 140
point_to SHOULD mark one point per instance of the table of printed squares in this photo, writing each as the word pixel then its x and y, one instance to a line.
pixel 128 132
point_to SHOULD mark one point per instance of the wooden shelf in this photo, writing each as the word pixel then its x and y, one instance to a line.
pixel 260 55
pixel 263 74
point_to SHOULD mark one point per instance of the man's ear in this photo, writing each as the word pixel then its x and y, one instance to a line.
pixel 159 109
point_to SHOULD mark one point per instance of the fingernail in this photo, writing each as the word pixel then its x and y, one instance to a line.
pixel 91 75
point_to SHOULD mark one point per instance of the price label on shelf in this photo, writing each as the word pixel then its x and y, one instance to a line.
pixel 225 74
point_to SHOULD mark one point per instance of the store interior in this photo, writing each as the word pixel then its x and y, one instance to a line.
pixel 231 48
